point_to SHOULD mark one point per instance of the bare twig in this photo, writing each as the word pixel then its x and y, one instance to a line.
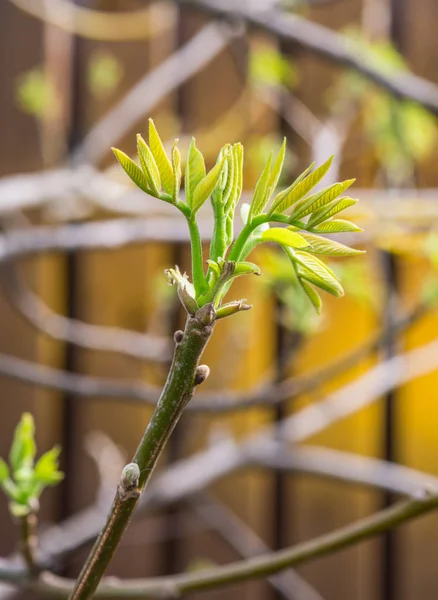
pixel 99 25
pixel 146 94
pixel 261 566
pixel 143 346
pixel 247 543
pixel 325 43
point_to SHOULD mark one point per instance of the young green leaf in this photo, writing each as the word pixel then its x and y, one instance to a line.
pixel 217 195
pixel 161 159
pixel 284 237
pixel 302 188
pixel 236 188
pixel 334 207
pixel 335 226
pixel 132 170
pixel 23 447
pixel 322 245
pixel 279 198
pixel 195 171
pixel 4 471
pixel 206 186
pixel 46 468
pixel 246 268
pixel 312 294
pixel 322 198
pixel 260 198
pixel 176 166
pixel 315 271
pixel 276 170
pixel 149 165
pixel 230 177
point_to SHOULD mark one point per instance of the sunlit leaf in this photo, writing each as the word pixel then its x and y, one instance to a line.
pixel 161 159
pixel 260 197
pixel 333 208
pixel 149 165
pixel 176 167
pixel 320 199
pixel 195 171
pixel 312 294
pixel 302 188
pixel 276 170
pixel 284 237
pixel 132 170
pixel 46 468
pixel 321 245
pixel 206 186
pixel 246 268
pixel 335 226
pixel 4 471
pixel 315 271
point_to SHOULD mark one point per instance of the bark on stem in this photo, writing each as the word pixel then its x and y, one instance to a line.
pixel 177 392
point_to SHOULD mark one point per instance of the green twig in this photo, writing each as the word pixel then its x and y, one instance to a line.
pixel 261 566
pixel 28 541
pixel 197 257
pixel 184 375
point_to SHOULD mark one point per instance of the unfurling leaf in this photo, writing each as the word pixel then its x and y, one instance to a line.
pixel 315 271
pixel 320 199
pixel 279 198
pixel 300 189
pixel 162 161
pixel 231 308
pixel 333 208
pixel 276 170
pixel 321 245
pixel 206 186
pixel 284 237
pixel 195 171
pixel 176 166
pixel 246 268
pixel 149 165
pixel 132 170
pixel 312 294
pixel 46 469
pixel 260 198
pixel 335 226
pixel 23 447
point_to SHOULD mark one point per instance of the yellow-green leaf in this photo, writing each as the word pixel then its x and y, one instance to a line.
pixel 260 198
pixel 276 170
pixel 176 168
pixel 302 188
pixel 322 198
pixel 315 271
pixel 132 170
pixel 284 193
pixel 149 165
pixel 321 245
pixel 334 207
pixel 312 294
pixel 336 226
pixel 284 237
pixel 161 158
pixel 195 171
pixel 206 186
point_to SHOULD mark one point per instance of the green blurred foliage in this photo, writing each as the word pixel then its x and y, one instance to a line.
pixel 104 74
pixel 35 94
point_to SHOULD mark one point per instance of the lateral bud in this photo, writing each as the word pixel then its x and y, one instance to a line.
pixel 130 476
pixel 185 289
pixel 206 314
pixel 178 337
pixel 201 374
pixel 231 308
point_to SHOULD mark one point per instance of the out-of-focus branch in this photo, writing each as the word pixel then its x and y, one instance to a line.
pixel 247 543
pixel 325 43
pixel 257 567
pixel 145 95
pixel 85 22
pixel 93 337
pixel 267 396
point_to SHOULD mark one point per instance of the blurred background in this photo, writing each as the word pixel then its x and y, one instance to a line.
pixel 86 317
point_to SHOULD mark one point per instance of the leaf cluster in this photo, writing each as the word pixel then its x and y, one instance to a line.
pixel 24 480
pixel 303 217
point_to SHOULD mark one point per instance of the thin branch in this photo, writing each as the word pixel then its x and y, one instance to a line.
pixel 247 543
pixel 258 567
pixel 143 346
pixel 266 396
pixel 325 43
pixel 85 22
pixel 151 89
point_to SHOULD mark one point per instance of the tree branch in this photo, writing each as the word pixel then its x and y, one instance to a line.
pixel 85 22
pixel 142 346
pixel 325 43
